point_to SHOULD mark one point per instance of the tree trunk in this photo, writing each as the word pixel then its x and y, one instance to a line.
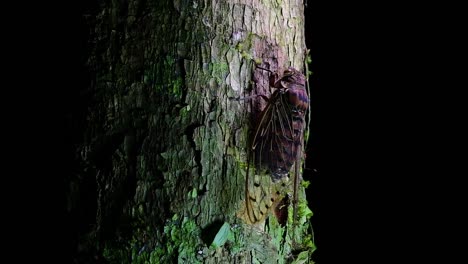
pixel 161 147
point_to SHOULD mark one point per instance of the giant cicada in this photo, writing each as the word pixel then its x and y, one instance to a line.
pixel 277 144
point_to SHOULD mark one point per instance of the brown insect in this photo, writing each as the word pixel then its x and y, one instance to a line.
pixel 278 140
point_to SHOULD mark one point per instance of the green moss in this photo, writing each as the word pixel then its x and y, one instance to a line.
pixel 245 48
pixel 305 184
pixel 303 211
pixel 242 165
pixel 258 61
pixel 308 243
pixel 176 87
pixel 306 136
pixel 219 71
pixel 303 258
pixel 246 56
pixel 301 234
pixel 169 61
pixel 183 239
pixel 180 242
pixel 236 239
pixel 276 231
pixel 183 112
pixel 308 59
pixel 116 255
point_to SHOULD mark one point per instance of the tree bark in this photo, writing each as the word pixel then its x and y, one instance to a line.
pixel 161 147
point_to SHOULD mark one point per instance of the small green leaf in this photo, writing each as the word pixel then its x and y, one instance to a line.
pixel 222 235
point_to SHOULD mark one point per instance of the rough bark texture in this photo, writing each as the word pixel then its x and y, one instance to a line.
pixel 161 148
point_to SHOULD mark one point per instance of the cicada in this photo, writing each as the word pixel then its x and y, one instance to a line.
pixel 277 143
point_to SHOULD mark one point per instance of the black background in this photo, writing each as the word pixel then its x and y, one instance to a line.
pixel 379 142
pixel 357 146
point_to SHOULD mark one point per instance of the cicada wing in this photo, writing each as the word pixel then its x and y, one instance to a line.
pixel 277 146
pixel 272 152
pixel 262 196
pixel 257 188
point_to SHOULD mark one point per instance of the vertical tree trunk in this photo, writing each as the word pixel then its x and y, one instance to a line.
pixel 161 148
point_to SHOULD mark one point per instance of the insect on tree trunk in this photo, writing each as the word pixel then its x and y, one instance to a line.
pixel 278 142
pixel 163 153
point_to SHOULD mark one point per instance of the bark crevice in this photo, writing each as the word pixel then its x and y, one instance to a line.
pixel 189 132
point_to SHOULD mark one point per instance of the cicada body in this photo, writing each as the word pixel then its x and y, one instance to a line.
pixel 278 137
pixel 277 141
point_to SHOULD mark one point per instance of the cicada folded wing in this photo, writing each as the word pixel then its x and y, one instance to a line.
pixel 277 145
pixel 279 134
pixel 273 144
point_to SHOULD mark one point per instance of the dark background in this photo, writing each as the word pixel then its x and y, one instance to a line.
pixel 380 116
pixel 356 153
